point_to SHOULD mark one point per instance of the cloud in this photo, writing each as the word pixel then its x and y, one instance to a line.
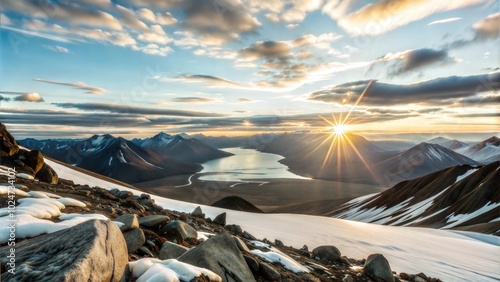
pixel 411 60
pixel 4 20
pixel 268 50
pixel 128 17
pixel 194 100
pixel 244 100
pixel 385 15
pixel 80 85
pixel 161 18
pixel 70 13
pixel 430 91
pixel 97 3
pixel 448 20
pixel 29 97
pixel 211 81
pixel 58 49
pixel 155 35
pixel 2 98
pixel 124 109
pixel 488 28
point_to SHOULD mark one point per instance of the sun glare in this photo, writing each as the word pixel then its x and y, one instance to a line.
pixel 339 129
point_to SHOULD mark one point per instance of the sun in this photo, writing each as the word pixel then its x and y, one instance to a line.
pixel 339 129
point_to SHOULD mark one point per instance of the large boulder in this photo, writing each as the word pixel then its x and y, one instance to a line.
pixel 153 221
pixel 326 254
pixel 129 221
pixel 221 255
pixel 91 251
pixel 47 174
pixel 34 159
pixel 378 268
pixel 135 238
pixel 179 230
pixel 8 144
pixel 171 250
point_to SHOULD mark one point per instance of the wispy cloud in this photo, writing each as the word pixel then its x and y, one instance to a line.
pixel 194 100
pixel 79 85
pixel 448 20
pixel 58 49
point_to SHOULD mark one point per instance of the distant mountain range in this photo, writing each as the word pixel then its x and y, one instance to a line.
pixel 461 197
pixel 130 161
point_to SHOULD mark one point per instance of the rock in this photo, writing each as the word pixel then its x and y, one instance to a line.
pixel 145 196
pixel 197 212
pixel 149 203
pixel 34 159
pixel 123 194
pixel 268 272
pixel 8 144
pixel 47 174
pixel 146 251
pixel 406 276
pixel 278 243
pixel 233 228
pixel 171 250
pixel 135 239
pixel 153 221
pixel 326 254
pixel 252 263
pixel 220 219
pixel 248 236
pixel 241 245
pixel 378 268
pixel 177 228
pixel 221 255
pixel 91 251
pixel 129 222
pixel 347 278
pixel 305 248
pixel 419 279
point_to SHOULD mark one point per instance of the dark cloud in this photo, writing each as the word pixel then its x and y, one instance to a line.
pixel 485 29
pixel 193 100
pixel 479 100
pixel 113 108
pixel 2 98
pixel 429 91
pixel 267 50
pixel 79 85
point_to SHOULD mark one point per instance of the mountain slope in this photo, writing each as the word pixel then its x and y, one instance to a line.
pixel 457 197
pixel 486 151
pixel 419 160
pixel 186 150
pixel 119 159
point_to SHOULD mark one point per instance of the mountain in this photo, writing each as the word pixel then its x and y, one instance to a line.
pixel 393 145
pixel 448 143
pixel 485 152
pixel 417 161
pixel 461 197
pixel 187 150
pixel 117 158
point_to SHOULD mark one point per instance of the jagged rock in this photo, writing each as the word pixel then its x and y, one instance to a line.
pixel 8 144
pixel 248 236
pixel 177 228
pixel 252 263
pixel 268 272
pixel 240 244
pixel 153 221
pixel 347 278
pixel 129 222
pixel 135 239
pixel 220 219
pixel 47 174
pixel 221 255
pixel 406 276
pixel 326 254
pixel 419 279
pixel 278 243
pixel 146 251
pixel 34 159
pixel 233 228
pixel 198 212
pixel 378 268
pixel 91 251
pixel 171 250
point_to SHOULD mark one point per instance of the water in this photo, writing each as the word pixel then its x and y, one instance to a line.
pixel 244 165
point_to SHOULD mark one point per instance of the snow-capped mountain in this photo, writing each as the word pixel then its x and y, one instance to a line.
pixel 461 197
pixel 118 158
pixel 419 160
pixel 485 152
pixel 187 150
pixel 451 144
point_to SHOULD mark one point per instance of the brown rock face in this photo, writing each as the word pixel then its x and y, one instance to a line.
pixel 8 145
pixel 47 174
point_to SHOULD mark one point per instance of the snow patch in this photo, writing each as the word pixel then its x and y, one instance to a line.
pixel 455 220
pixel 282 259
pixel 171 270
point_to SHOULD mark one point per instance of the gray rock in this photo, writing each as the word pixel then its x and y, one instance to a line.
pixel 248 236
pixel 233 228
pixel 91 251
pixel 34 159
pixel 268 272
pixel 146 251
pixel 220 219
pixel 278 243
pixel 153 221
pixel 171 250
pixel 347 278
pixel 419 279
pixel 177 228
pixel 47 174
pixel 326 254
pixel 221 255
pixel 378 268
pixel 129 222
pixel 123 194
pixel 198 212
pixel 135 239
pixel 252 263
pixel 241 245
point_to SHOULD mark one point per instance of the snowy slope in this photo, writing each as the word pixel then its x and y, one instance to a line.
pixel 449 255
pixel 486 151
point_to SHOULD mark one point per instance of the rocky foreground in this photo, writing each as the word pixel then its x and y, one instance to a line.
pixel 69 232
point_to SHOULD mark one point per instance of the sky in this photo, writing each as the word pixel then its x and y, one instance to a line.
pixel 134 68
